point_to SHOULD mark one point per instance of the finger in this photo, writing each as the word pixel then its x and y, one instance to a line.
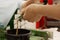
pixel 22 11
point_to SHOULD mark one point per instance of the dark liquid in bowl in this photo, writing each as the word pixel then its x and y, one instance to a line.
pixel 23 34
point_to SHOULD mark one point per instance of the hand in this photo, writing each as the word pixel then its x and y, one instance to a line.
pixel 31 13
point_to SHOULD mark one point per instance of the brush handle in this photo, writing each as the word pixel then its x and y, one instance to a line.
pixel 19 19
pixel 17 28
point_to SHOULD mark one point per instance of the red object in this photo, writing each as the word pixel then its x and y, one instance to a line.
pixel 50 2
pixel 37 25
pixel 42 21
pixel 40 24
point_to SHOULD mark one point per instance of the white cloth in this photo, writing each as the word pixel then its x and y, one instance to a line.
pixel 7 9
pixel 56 35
